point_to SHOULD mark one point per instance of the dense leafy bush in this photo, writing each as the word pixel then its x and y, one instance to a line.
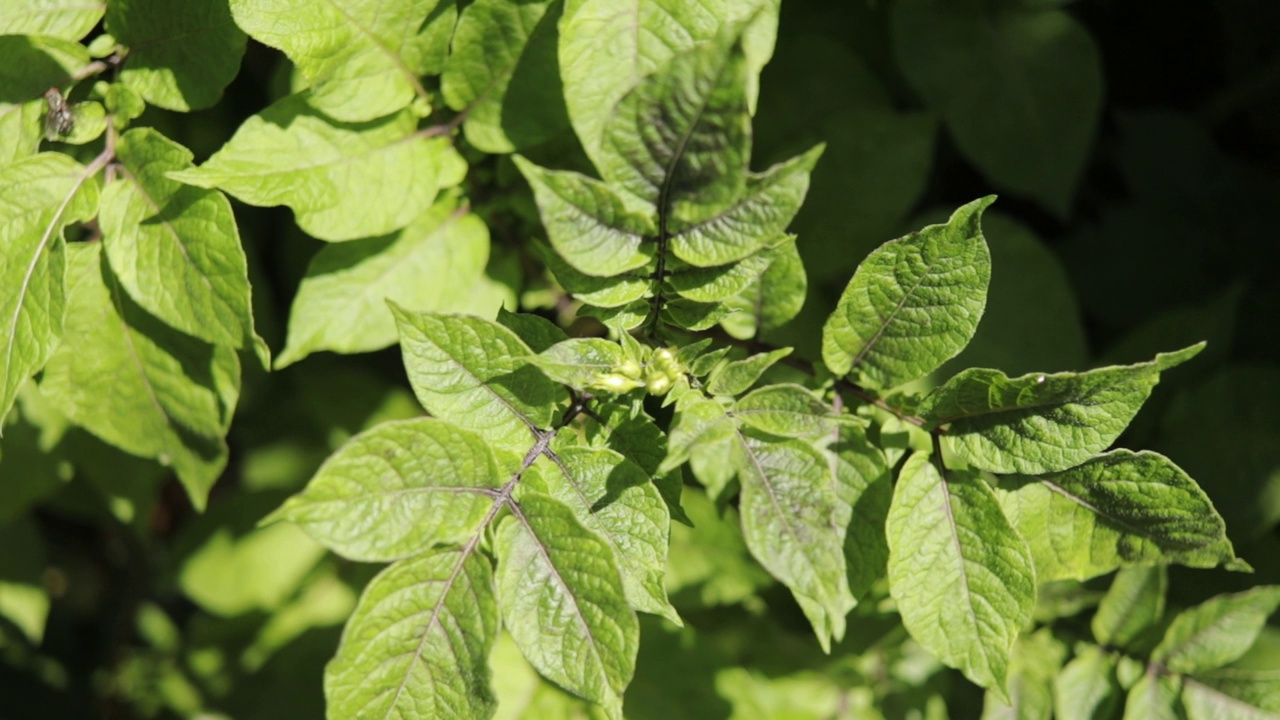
pixel 700 439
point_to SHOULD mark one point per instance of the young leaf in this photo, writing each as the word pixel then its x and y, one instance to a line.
pixel 790 523
pixel 605 292
pixel 1087 688
pixel 433 264
pixel 1133 604
pixel 473 373
pixel 963 578
pixel 774 298
pixel 398 489
pixel 612 497
pixel 1118 509
pixel 913 303
pixel 362 57
pixel 418 642
pixel 1216 631
pixel 65 19
pixel 588 224
pixel 1154 697
pixel 584 363
pixel 175 248
pixel 1040 423
pixel 342 180
pixel 500 51
pixel 145 388
pixel 756 217
pixel 680 140
pixel 736 377
pixel 563 602
pixel 715 284
pixel 177 60
pixel 1022 104
pixel 39 196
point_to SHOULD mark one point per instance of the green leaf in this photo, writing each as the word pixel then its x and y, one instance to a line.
pixel 583 363
pixel 362 58
pixel 503 74
pixel 1087 688
pixel 1036 660
pixel 634 434
pixel 398 489
pixel 1216 631
pixel 29 66
pixel 962 577
pixel 588 224
pixel 608 46
pixel 698 423
pixel 787 410
pixel 1203 701
pixel 1039 423
pixel 536 331
pixel 177 60
pixel 790 523
pixel 435 263
pixel 65 19
pixel 864 490
pixel 736 377
pixel 563 601
pixel 1019 90
pixel 709 564
pixel 24 599
pixel 474 374
pixel 754 219
pixel 610 292
pixel 1133 605
pixel 612 496
pixel 144 387
pixel 772 299
pixel 342 180
pixel 680 140
pixel 1154 697
pixel 418 642
pixel 1118 509
pixel 175 248
pixel 913 303
pixel 39 196
pixel 258 571
pixel 714 284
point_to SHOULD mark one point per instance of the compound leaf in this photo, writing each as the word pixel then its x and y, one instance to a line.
pixel 177 60
pixel 963 578
pixel 913 303
pixel 436 263
pixel 418 642
pixel 563 602
pixel 39 196
pixel 342 180
pixel 362 57
pixel 680 140
pixel 474 374
pixel 1118 509
pixel 1039 423
pixel 175 248
pixel 398 489
pixel 145 388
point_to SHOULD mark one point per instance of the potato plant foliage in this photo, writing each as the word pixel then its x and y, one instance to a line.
pixel 631 473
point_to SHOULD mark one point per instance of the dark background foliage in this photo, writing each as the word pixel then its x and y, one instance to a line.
pixel 1168 237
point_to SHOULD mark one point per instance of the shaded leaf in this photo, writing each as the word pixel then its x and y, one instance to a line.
pixel 1216 631
pixel 1133 604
